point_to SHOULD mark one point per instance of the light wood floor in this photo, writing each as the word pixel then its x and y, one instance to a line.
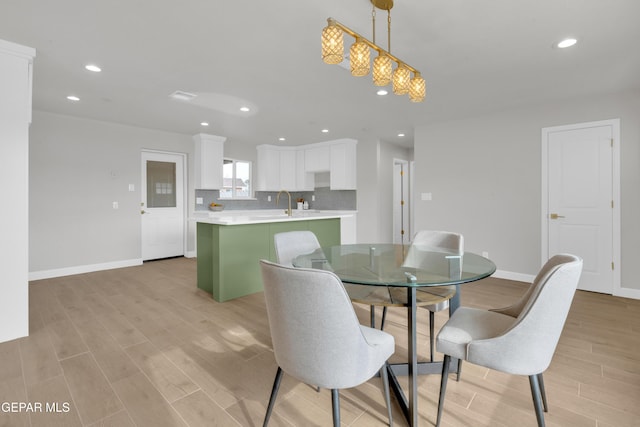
pixel 142 346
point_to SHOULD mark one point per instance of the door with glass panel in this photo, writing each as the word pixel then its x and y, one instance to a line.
pixel 162 205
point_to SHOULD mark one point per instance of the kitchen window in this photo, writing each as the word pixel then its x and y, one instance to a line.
pixel 236 179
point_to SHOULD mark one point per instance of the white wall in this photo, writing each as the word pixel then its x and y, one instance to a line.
pixel 15 112
pixel 375 189
pixel 78 168
pixel 485 177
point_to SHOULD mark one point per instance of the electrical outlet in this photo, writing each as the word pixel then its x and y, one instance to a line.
pixel 485 254
pixel 115 205
pixel 313 197
pixel 199 200
pixel 268 198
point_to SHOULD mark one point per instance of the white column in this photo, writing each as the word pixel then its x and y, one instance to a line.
pixel 15 115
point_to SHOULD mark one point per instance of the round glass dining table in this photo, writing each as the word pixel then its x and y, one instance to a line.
pixel 402 266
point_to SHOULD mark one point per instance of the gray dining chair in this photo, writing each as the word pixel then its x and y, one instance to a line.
pixel 290 244
pixel 316 335
pixel 431 298
pixel 519 339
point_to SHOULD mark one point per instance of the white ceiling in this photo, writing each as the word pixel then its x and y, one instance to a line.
pixel 476 56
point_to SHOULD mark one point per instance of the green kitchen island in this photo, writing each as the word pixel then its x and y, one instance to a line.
pixel 230 245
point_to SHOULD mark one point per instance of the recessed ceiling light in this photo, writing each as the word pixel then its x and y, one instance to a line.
pixel 73 98
pixel 567 43
pixel 93 67
pixel 245 109
pixel 282 138
pixel 204 124
pixel 381 92
pixel 401 135
pixel 325 130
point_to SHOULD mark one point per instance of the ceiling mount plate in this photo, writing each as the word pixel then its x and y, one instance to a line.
pixel 383 4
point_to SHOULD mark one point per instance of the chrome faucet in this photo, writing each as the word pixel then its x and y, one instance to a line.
pixel 278 199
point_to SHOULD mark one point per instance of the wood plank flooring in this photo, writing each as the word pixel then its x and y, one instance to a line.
pixel 142 346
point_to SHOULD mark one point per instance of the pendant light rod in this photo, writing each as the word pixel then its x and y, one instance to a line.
pixel 372 45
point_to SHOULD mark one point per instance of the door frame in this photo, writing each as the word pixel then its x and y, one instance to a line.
pixel 185 197
pixel 615 193
pixel 405 212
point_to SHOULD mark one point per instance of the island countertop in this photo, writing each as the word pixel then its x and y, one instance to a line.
pixel 258 216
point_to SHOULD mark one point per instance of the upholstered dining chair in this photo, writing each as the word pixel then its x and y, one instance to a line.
pixel 316 335
pixel 519 339
pixel 432 298
pixel 290 244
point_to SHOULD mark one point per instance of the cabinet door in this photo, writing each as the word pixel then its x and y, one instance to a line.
pixel 268 169
pixel 304 180
pixel 317 159
pixel 209 156
pixel 287 170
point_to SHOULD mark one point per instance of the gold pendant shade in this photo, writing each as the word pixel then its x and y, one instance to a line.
pixel 382 70
pixel 332 45
pixel 360 57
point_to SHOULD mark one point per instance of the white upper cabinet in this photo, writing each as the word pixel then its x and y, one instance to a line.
pixel 208 161
pixel 317 158
pixel 293 167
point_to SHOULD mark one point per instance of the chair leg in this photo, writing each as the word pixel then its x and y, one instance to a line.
pixel 543 393
pixel 384 317
pixel 431 332
pixel 537 404
pixel 272 399
pixel 372 313
pixel 387 397
pixel 335 404
pixel 443 386
pixel 459 372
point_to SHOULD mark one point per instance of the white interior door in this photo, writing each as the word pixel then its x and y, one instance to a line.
pixel 579 215
pixel 162 205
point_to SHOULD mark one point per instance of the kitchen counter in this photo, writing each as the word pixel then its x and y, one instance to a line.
pixel 243 217
pixel 230 244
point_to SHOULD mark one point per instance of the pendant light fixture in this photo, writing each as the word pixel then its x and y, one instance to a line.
pixel 359 56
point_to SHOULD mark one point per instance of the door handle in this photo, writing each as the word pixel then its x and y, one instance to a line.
pixel 555 216
pixel 142 212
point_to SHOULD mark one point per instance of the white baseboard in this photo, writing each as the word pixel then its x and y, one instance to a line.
pixel 627 293
pixel 69 271
pixel 191 254
pixel 510 275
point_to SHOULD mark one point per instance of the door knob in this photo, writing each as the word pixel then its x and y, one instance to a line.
pixel 142 212
pixel 555 216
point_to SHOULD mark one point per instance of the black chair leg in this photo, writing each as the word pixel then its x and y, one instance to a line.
pixel 335 404
pixel 431 332
pixel 543 393
pixel 443 386
pixel 384 317
pixel 272 399
pixel 372 313
pixel 387 397
pixel 537 404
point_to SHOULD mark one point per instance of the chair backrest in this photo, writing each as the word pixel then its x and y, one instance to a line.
pixel 315 333
pixel 440 240
pixel 526 348
pixel 434 241
pixel 547 269
pixel 290 244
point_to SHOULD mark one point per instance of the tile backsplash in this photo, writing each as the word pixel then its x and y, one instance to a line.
pixel 325 199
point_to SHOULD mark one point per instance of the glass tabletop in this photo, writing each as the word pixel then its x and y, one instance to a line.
pixel 397 265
